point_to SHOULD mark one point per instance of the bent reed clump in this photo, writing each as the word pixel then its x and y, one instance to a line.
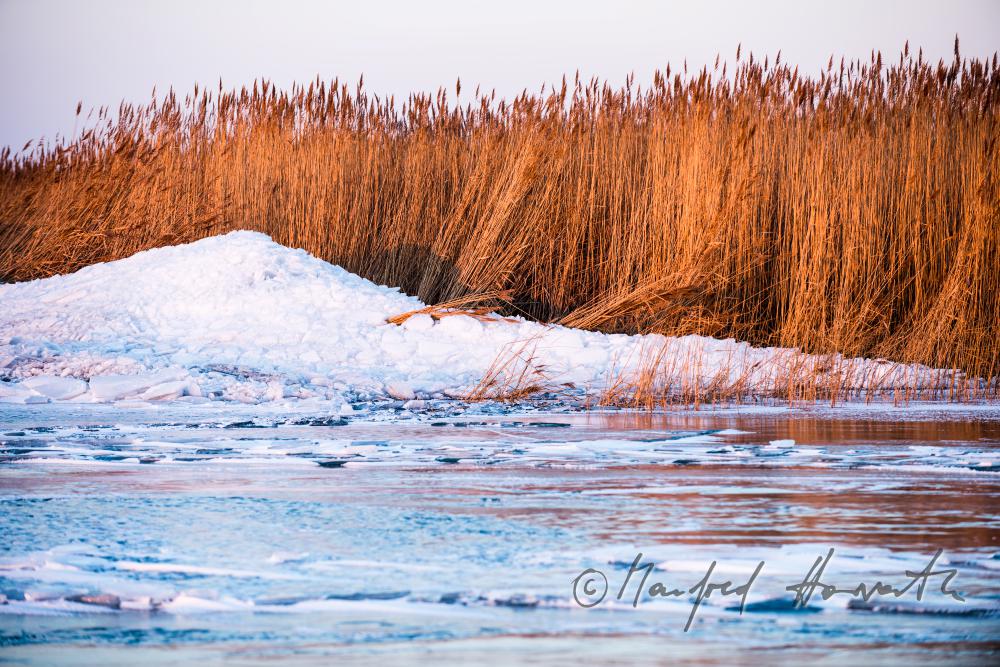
pixel 855 212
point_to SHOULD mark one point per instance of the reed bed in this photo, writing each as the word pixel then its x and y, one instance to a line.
pixel 853 212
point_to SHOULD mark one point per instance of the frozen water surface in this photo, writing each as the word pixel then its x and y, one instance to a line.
pixel 207 533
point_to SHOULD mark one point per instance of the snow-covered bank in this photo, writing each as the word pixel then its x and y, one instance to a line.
pixel 239 317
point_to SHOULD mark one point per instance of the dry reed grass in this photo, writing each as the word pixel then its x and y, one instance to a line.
pixel 856 211
pixel 463 305
pixel 514 375
pixel 664 378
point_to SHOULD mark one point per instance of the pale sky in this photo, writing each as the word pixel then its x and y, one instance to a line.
pixel 54 53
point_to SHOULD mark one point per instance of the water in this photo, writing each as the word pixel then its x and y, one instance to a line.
pixel 172 535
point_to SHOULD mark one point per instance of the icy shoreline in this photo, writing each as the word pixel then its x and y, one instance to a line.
pixel 240 318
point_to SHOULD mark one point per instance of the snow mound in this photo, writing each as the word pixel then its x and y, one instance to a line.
pixel 239 317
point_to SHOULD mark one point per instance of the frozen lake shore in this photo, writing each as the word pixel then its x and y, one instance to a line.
pixel 232 451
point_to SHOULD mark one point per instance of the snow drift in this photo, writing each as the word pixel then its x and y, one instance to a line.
pixel 239 317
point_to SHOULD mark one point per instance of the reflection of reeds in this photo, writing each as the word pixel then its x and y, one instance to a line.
pixel 854 212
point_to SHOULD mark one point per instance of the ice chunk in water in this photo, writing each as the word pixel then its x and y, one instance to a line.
pixel 115 387
pixel 55 387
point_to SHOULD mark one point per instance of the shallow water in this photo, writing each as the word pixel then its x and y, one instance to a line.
pixel 185 534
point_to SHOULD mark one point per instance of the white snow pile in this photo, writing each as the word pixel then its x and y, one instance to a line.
pixel 239 317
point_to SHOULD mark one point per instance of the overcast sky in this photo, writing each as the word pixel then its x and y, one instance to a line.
pixel 54 53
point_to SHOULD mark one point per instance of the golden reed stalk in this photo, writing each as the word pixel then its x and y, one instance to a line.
pixel 857 211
